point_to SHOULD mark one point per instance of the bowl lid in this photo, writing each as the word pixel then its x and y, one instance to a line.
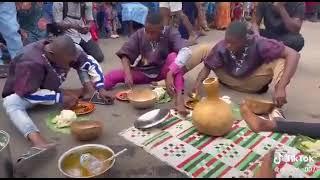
pixel 151 118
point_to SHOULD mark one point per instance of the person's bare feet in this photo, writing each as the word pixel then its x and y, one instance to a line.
pixel 255 123
pixel 266 170
pixel 37 140
pixel 179 105
pixel 202 32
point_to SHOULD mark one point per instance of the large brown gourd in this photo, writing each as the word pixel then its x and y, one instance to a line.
pixel 212 115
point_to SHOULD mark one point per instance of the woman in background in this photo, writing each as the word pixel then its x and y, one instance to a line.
pixel 236 11
pixel 223 16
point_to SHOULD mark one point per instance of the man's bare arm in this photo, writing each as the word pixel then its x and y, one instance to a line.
pixel 292 24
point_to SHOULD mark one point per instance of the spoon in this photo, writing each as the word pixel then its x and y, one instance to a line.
pixel 115 155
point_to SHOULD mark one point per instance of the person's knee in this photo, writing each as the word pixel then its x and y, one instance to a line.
pixel 296 42
pixel 99 56
pixel 204 47
pixel 12 103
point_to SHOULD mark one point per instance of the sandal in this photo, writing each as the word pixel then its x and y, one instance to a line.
pixel 26 161
pixel 96 99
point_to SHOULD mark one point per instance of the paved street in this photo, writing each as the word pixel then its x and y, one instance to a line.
pixel 303 98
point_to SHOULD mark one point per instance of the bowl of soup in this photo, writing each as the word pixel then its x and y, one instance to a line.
pixel 69 162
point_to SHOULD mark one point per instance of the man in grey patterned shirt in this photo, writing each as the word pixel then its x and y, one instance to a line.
pixel 69 17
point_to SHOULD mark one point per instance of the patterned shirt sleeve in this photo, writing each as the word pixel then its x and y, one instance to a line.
pixel 88 64
pixel 214 61
pixel 130 49
pixel 269 49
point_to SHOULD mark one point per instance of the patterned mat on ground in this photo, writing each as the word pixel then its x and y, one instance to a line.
pixel 237 154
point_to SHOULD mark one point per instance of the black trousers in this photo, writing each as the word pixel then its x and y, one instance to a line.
pixel 92 48
pixel 307 129
pixel 293 40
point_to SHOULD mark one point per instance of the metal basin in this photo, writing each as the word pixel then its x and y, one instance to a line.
pixel 6 168
pixel 69 162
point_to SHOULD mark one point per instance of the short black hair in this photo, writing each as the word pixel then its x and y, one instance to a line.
pixel 154 18
pixel 237 29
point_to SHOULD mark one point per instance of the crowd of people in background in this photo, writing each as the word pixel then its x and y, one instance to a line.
pixel 32 21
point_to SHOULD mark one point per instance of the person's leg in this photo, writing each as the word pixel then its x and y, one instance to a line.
pixel 192 35
pixel 254 83
pixel 9 27
pixel 15 107
pixel 165 12
pixel 92 48
pixel 278 124
pixel 295 41
pixel 178 83
pixel 114 77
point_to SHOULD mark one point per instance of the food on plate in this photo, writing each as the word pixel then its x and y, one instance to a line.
pixel 83 108
pixel 160 92
pixel 64 119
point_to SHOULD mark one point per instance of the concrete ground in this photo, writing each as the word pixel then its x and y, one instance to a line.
pixel 303 96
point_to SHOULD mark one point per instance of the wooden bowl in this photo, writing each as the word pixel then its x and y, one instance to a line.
pixel 142 98
pixel 69 162
pixel 86 130
pixel 259 106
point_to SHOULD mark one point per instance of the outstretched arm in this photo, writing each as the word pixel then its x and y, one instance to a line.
pixel 291 62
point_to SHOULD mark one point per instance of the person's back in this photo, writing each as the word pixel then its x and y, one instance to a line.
pixel 29 71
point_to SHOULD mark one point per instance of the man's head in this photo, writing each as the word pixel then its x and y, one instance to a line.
pixel 236 36
pixel 153 26
pixel 61 51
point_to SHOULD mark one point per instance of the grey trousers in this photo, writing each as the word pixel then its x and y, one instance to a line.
pixel 293 40
pixel 92 48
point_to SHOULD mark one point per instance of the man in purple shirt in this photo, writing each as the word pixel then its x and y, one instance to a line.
pixel 250 64
pixel 148 56
pixel 35 77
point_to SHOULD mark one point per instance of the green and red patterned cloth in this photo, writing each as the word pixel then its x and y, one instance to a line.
pixel 237 154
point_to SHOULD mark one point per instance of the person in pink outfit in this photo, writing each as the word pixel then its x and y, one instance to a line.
pixel 153 53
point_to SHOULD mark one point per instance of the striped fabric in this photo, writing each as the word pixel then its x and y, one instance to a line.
pixel 45 97
pixel 94 70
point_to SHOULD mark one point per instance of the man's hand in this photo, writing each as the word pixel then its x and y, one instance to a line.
pixel 195 91
pixel 128 80
pixel 170 84
pixel 83 30
pixel 106 97
pixel 69 101
pixel 278 5
pixel 279 96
